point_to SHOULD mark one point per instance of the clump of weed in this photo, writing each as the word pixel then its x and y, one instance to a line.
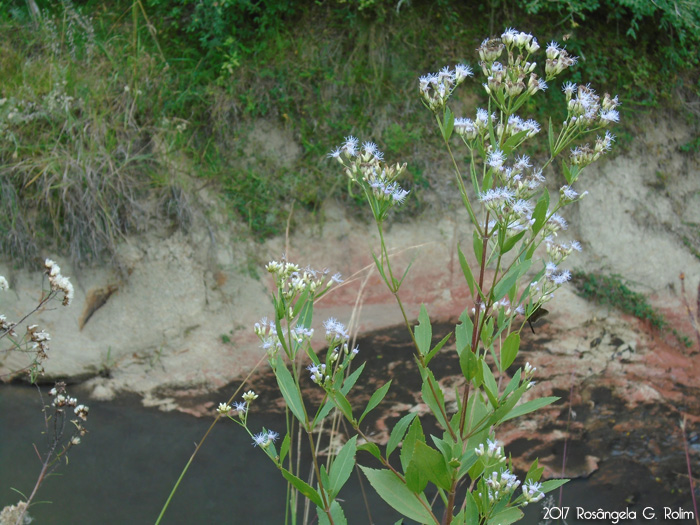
pixel 82 139
pixel 612 291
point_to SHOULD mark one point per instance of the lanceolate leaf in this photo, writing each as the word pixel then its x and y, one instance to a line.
pixel 303 487
pixel 509 350
pixel 423 331
pixel 436 349
pixel 466 270
pixel 552 484
pixel 392 490
pixel 289 391
pixel 433 397
pixel 530 406
pixel 342 466
pixel 540 212
pixel 448 124
pixel 284 449
pixel 415 433
pixel 376 398
pixel 463 332
pixel 398 432
pixel 506 517
pixel 372 448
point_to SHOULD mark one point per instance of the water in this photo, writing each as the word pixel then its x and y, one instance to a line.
pixel 125 467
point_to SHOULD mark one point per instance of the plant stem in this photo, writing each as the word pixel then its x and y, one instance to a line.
pixel 201 442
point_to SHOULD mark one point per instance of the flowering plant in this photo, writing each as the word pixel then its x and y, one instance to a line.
pixel 512 214
pixel 64 409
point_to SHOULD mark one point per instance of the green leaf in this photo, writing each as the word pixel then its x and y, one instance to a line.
pixel 376 398
pixel 352 379
pixel 552 484
pixel 336 513
pixel 463 332
pixel 512 384
pixel 434 397
pixel 478 246
pixel 567 173
pixel 534 473
pixel 468 362
pixel 434 351
pixel 507 516
pixel 509 279
pixel 415 433
pixel 347 385
pixel 303 487
pixel 325 480
pixel 300 302
pixel 530 406
pixel 392 490
pixel 431 463
pixel 467 461
pixel 490 386
pixel 343 404
pixel 405 273
pixel 398 432
pixel 574 172
pixel 513 141
pixel 511 242
pixel 290 392
pixel 509 350
pixel 472 511
pixel 284 448
pixel 466 270
pixel 278 327
pixel 448 123
pixel 342 466
pixel 372 448
pixel 423 331
pixel 380 268
pixel 540 212
pixel 416 479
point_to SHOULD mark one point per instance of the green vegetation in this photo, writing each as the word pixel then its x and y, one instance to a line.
pixel 112 106
pixel 612 291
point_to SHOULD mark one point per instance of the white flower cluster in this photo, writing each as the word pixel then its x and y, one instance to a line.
pixel 515 77
pixel 436 88
pixel 225 409
pixel 40 340
pixel 583 155
pixel 337 337
pixel 365 165
pixel 58 282
pixel 532 492
pixel 493 450
pixel 266 330
pixel 558 59
pixel 292 280
pixel 499 484
pixel 61 401
pixel 265 438
pixel 586 108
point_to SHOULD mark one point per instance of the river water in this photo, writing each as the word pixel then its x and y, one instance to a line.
pixel 125 467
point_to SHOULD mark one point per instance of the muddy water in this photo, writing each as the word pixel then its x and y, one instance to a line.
pixel 127 464
pixel 125 467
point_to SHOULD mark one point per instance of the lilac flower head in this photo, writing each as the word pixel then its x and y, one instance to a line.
pixel 496 159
